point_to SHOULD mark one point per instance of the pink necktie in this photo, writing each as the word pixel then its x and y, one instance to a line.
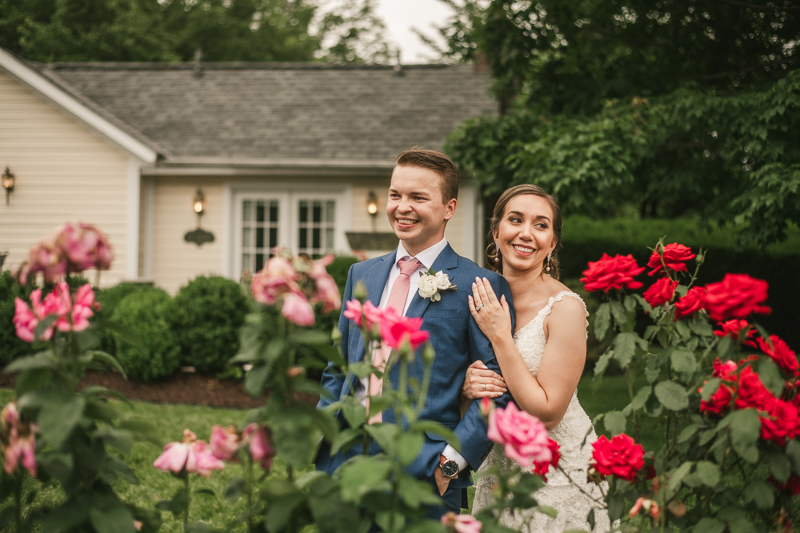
pixel 397 300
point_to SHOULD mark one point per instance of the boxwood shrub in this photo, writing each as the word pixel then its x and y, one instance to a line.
pixel 147 312
pixel 11 346
pixel 109 299
pixel 207 317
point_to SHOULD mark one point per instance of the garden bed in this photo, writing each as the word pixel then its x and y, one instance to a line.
pixel 185 388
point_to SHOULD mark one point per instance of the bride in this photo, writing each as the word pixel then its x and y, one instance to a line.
pixel 542 362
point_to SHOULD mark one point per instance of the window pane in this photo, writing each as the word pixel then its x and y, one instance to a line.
pixel 273 211
pixel 246 262
pixel 328 239
pixel 316 238
pixel 259 211
pixel 273 237
pixel 259 262
pixel 317 212
pixel 259 237
pixel 303 211
pixel 246 237
pixel 247 210
pixel 303 238
pixel 330 211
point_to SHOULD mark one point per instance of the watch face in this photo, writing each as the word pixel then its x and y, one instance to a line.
pixel 450 468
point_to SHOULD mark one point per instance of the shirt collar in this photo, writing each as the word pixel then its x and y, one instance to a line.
pixel 426 256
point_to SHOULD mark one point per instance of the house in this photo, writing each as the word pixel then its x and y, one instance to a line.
pixel 275 154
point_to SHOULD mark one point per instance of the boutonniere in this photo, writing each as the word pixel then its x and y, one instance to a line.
pixel 432 283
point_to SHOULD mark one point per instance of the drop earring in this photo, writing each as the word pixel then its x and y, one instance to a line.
pixel 497 252
pixel 548 262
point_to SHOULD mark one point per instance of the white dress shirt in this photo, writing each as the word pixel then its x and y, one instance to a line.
pixel 427 258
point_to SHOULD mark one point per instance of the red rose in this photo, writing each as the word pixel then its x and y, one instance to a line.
pixel 736 296
pixel 691 303
pixel 660 292
pixel 674 256
pixel 719 402
pixel 612 273
pixel 783 356
pixel 620 456
pixel 751 392
pixel 731 328
pixel 792 485
pixel 780 423
pixel 543 467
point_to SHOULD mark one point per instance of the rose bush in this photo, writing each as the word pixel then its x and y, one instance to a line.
pixel 725 398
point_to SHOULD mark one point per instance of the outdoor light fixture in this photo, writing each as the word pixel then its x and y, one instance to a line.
pixel 199 202
pixel 372 204
pixel 8 183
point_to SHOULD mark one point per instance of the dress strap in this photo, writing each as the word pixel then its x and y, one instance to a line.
pixel 560 296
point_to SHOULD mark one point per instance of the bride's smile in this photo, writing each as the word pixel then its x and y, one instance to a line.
pixel 525 235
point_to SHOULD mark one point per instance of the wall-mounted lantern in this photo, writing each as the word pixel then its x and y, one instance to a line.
pixel 9 181
pixel 199 236
pixel 372 207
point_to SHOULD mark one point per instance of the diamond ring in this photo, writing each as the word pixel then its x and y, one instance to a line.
pixel 478 307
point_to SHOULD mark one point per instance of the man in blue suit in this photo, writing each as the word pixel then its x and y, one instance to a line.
pixel 422 199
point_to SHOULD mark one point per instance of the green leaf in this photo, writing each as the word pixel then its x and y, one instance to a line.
pixel 602 363
pixel 616 505
pixel 602 319
pixel 361 369
pixel 687 433
pixel 117 468
pixel 39 360
pixel 793 453
pixel 114 519
pixel 676 476
pixel 362 474
pixel 745 429
pixel 724 346
pixel 701 327
pixel 741 525
pixel 549 511
pixel 385 435
pixel 780 467
pixel 760 493
pixel 770 375
pixel 618 312
pixel 120 439
pixel 683 361
pixel 709 473
pixel 46 323
pixel 672 396
pixel 408 447
pixel 416 493
pixel 683 329
pixel 310 336
pixel 354 412
pixel 652 369
pixel 625 348
pixel 108 359
pixel 709 525
pixel 143 431
pixel 254 380
pixel 58 418
pixel 615 422
pixel 709 388
pixel 345 439
pixel 640 398
pixel 429 426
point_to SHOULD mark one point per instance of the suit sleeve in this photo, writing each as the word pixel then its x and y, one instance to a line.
pixel 332 377
pixel 471 431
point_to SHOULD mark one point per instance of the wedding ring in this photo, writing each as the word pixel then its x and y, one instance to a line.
pixel 478 308
pixel 484 387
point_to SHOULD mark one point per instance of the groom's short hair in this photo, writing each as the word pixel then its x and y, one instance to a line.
pixel 437 162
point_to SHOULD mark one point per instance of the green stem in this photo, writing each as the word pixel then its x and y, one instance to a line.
pixel 403 382
pixel 426 382
pixel 188 502
pixel 18 500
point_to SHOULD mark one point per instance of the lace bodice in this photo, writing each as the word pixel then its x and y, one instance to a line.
pixel 560 493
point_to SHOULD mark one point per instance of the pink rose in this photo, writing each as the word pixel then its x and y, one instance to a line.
pixel 278 277
pixel 18 441
pixel 224 442
pixel 460 523
pixel 523 436
pixel 328 293
pixel 25 320
pixel 83 307
pixel 260 440
pixel 395 331
pixel 353 310
pixel 191 454
pixel 297 309
pixel 85 247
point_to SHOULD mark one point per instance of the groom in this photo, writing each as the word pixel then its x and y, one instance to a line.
pixel 422 199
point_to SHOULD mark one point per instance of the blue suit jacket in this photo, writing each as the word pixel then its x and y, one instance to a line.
pixel 458 342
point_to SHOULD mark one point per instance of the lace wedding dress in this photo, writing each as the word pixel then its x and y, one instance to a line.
pixel 572 505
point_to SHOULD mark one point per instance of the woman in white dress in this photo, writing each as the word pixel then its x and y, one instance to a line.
pixel 543 360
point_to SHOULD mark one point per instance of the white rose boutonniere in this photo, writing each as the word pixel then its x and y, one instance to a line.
pixel 431 283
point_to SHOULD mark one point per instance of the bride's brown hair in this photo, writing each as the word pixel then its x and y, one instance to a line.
pixel 493 257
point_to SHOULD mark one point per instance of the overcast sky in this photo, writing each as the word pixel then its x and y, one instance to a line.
pixel 400 16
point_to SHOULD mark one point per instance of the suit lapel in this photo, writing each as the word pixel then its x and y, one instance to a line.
pixel 375 281
pixel 447 260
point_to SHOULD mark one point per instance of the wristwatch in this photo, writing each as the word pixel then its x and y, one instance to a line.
pixel 449 467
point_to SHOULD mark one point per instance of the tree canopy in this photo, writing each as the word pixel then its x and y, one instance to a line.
pixel 173 30
pixel 653 108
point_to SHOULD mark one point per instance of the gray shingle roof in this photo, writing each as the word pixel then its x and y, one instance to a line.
pixel 281 111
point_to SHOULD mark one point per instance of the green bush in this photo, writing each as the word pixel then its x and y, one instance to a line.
pixel 339 269
pixel 109 299
pixel 11 346
pixel 147 312
pixel 208 314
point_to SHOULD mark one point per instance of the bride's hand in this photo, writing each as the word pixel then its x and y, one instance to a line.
pixel 492 315
pixel 480 382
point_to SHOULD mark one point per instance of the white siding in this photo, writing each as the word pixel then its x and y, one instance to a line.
pixel 64 174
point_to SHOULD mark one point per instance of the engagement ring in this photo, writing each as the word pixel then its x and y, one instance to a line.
pixel 484 387
pixel 478 307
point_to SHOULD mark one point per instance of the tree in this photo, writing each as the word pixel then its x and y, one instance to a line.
pixel 668 108
pixel 173 30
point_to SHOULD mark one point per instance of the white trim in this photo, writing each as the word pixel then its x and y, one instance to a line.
pixel 269 167
pixel 480 243
pixel 40 84
pixel 149 227
pixel 226 237
pixel 132 220
pixel 467 202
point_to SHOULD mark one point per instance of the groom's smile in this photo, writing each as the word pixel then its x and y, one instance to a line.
pixel 415 208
